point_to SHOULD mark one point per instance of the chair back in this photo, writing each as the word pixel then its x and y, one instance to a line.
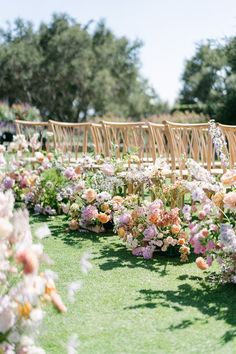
pixel 28 129
pixel 126 137
pixel 72 139
pixel 229 132
pixel 158 141
pixel 190 141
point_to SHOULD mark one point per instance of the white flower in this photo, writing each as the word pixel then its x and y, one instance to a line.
pixel 85 264
pixel 73 288
pixel 43 232
pixel 7 314
pixel 73 344
pixel 36 315
pixel 5 228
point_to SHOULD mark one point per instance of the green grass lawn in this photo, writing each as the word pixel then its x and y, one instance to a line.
pixel 129 305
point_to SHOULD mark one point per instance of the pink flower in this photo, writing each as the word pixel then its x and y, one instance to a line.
pixel 29 261
pixel 230 200
pixel 69 173
pixel 108 169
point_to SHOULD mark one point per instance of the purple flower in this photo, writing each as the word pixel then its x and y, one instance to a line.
pixel 150 232
pixel 8 182
pixel 103 196
pixel 148 252
pixel 124 219
pixel 137 251
pixel 69 173
pixel 89 213
pixel 38 209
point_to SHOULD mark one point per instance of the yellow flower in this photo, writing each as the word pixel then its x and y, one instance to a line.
pixel 24 310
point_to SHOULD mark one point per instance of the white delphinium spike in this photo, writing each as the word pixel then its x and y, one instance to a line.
pixel 73 344
pixel 43 232
pixel 73 288
pixel 85 264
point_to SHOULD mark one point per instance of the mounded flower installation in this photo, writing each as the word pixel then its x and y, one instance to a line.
pixel 149 212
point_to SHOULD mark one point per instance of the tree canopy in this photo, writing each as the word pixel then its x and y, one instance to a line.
pixel 209 81
pixel 70 72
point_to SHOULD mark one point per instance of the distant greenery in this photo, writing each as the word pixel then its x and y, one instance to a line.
pixel 70 72
pixel 209 81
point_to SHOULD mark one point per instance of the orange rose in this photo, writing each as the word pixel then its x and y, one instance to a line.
pixel 181 241
pixel 175 229
pixel 103 218
pixel 201 263
pixel 229 178
pixel 153 218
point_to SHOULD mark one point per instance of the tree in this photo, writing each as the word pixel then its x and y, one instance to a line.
pixel 209 84
pixel 69 73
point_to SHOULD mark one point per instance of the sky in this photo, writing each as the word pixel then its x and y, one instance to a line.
pixel 169 29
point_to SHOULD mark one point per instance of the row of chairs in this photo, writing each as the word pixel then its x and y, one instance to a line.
pixel 174 141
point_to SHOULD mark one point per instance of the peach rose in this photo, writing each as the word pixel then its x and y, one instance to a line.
pixel 73 225
pixel 105 207
pixel 230 200
pixel 229 178
pixel 175 229
pixel 103 218
pixel 90 195
pixel 181 241
pixel 117 199
pixel 50 156
pixel 218 199
pixel 39 156
pixel 201 263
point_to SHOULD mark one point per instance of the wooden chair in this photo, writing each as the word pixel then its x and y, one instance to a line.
pixel 72 139
pixel 229 132
pixel 99 139
pixel 126 137
pixel 28 128
pixel 158 140
pixel 191 141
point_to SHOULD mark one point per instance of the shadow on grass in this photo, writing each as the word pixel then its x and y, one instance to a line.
pixel 115 255
pixel 59 229
pixel 217 301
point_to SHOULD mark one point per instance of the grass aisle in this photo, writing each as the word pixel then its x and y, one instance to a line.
pixel 129 305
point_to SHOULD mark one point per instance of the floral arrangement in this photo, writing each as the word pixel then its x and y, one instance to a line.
pixel 211 221
pixel 151 227
pixel 24 291
pixel 92 210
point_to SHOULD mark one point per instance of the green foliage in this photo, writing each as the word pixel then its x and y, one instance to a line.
pixel 209 81
pixel 70 72
pixel 50 181
pixel 6 114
